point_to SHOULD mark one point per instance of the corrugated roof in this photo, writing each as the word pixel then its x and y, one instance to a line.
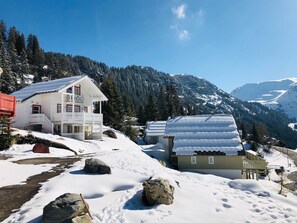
pixel 204 133
pixel 155 128
pixel 44 87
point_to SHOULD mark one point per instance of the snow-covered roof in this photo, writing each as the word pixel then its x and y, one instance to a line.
pixel 204 133
pixel 44 87
pixel 156 128
pixel 50 86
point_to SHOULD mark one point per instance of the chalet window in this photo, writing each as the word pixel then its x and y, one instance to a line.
pixel 86 109
pixel 69 129
pixel 76 129
pixel 68 108
pixel 210 160
pixel 69 90
pixel 193 160
pixel 76 108
pixel 59 108
pixel 36 109
pixel 77 90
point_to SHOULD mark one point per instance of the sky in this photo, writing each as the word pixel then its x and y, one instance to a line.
pixel 227 42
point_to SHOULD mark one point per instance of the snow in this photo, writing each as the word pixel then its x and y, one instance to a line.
pixel 156 128
pixel 204 133
pixel 292 126
pixel 249 185
pixel 117 197
pixel 21 172
pixel 44 87
pixel 277 94
pixel 277 159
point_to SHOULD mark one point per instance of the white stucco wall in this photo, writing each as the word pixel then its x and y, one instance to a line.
pixel 22 113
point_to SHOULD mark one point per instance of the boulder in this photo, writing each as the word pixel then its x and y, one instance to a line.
pixel 110 134
pixel 96 166
pixel 157 191
pixel 66 208
pixel 40 148
pixel 81 219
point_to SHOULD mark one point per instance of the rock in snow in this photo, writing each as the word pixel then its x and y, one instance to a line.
pixel 66 208
pixel 96 166
pixel 40 148
pixel 110 134
pixel 157 191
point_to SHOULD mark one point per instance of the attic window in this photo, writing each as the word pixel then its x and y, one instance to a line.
pixel 193 160
pixel 69 90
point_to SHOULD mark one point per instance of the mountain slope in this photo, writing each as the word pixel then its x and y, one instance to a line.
pixel 279 94
pixel 135 84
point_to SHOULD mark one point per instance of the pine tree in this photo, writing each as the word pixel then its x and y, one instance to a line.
pixel 113 111
pixel 151 109
pixel 255 134
pixel 12 36
pixel 7 84
pixel 5 135
pixel 173 102
pixel 141 115
pixel 262 131
pixel 128 109
pixel 34 52
pixel 3 35
pixel 162 105
pixel 20 44
pixel 243 130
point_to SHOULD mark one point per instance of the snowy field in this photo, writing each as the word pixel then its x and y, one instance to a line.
pixel 117 197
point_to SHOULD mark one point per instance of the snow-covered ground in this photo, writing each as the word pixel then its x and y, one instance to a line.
pixel 117 197
pixel 293 125
pixel 277 159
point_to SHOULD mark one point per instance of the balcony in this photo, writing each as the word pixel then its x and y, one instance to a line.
pixel 67 117
pixel 77 98
pixel 254 164
pixel 80 117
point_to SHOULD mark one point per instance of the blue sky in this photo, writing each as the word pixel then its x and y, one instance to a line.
pixel 227 42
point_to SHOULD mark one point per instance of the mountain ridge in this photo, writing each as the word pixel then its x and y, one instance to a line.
pixel 277 94
pixel 135 84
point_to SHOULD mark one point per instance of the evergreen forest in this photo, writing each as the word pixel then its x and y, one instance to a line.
pixel 133 91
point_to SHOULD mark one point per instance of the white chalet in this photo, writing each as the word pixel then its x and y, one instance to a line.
pixel 206 143
pixel 63 106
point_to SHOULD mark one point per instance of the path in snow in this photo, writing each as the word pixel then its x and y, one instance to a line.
pixel 19 194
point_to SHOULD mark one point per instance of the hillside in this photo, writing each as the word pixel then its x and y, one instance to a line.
pixel 278 94
pixel 135 84
pixel 116 197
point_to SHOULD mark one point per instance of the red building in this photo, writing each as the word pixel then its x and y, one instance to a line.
pixel 7 105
